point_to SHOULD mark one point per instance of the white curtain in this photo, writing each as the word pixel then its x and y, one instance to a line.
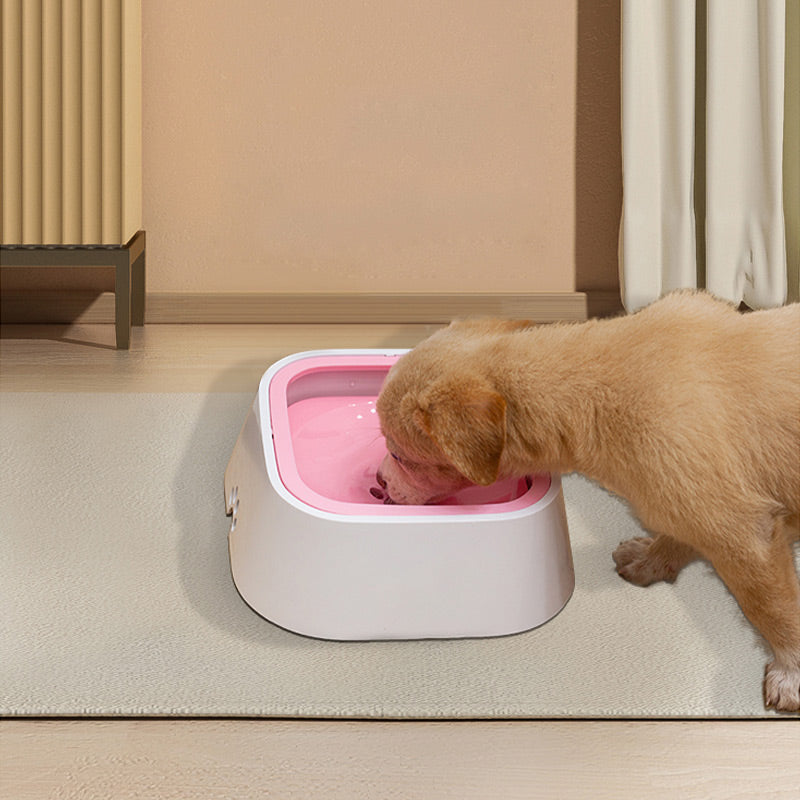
pixel 703 97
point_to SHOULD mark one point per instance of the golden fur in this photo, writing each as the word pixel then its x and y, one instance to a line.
pixel 688 409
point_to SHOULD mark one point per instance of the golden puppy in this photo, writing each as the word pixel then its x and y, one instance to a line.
pixel 688 409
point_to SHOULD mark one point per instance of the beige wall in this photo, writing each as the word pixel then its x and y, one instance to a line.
pixel 383 146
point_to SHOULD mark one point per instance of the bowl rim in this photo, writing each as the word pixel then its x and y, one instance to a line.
pixel 273 400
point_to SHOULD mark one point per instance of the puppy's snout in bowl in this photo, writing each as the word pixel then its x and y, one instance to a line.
pixel 381 494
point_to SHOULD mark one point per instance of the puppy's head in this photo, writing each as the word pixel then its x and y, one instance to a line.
pixel 444 421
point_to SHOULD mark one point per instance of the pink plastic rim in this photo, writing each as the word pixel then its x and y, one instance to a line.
pixel 290 475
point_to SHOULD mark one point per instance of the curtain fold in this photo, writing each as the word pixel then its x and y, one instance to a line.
pixel 702 149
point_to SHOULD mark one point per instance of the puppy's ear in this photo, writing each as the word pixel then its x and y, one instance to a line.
pixel 466 419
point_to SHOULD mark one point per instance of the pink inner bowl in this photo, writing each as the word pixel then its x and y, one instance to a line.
pixel 328 444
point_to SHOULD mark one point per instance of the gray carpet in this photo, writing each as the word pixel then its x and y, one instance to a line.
pixel 117 597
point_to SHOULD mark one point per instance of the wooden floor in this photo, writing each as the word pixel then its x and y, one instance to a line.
pixel 138 758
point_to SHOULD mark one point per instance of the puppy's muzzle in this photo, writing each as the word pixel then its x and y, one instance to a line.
pixel 381 494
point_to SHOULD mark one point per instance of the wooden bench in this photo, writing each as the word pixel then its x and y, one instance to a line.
pixel 129 267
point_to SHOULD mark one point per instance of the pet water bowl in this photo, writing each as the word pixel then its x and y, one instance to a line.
pixel 314 552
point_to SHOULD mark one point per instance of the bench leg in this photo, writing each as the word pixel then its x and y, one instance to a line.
pixel 138 286
pixel 122 301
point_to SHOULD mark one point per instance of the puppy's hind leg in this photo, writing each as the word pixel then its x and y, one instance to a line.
pixel 760 573
pixel 645 560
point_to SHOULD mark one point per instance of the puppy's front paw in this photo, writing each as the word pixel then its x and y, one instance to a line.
pixel 782 688
pixel 637 563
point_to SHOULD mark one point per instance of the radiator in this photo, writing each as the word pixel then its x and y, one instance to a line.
pixel 71 122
